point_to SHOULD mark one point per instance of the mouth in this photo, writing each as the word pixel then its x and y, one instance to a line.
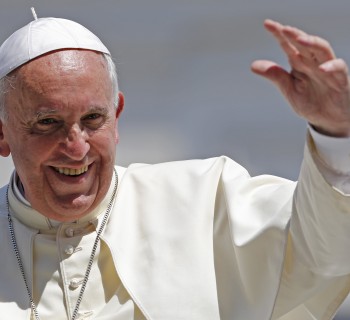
pixel 71 172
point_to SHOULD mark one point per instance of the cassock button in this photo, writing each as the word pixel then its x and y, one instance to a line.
pixel 75 283
pixel 70 232
pixel 69 250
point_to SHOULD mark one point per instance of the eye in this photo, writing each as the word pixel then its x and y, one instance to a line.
pixel 46 125
pixel 94 120
pixel 47 121
pixel 92 116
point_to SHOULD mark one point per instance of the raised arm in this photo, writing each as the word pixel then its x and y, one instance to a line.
pixel 316 270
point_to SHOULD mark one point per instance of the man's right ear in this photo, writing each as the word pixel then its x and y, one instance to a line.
pixel 120 107
pixel 4 147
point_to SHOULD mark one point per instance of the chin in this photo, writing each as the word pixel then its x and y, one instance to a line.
pixel 69 210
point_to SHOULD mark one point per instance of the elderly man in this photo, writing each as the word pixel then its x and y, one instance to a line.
pixel 82 239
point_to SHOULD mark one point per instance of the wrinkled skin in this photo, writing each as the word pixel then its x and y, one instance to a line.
pixel 62 118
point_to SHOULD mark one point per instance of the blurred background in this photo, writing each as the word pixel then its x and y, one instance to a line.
pixel 184 67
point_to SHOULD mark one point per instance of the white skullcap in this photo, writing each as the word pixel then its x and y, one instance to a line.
pixel 42 36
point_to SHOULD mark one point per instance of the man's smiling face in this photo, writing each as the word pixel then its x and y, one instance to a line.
pixel 62 132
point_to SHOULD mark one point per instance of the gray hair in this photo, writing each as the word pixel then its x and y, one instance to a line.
pixel 7 82
pixel 3 85
pixel 112 71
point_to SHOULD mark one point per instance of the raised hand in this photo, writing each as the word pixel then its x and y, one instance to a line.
pixel 317 87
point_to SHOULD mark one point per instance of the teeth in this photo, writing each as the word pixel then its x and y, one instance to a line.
pixel 72 172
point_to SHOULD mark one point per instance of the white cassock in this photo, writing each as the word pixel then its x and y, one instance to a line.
pixel 187 240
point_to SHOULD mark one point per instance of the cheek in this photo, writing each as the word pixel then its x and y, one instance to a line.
pixel 26 159
pixel 109 135
pixel 29 153
pixel 105 145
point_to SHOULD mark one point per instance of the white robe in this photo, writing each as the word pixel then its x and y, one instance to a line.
pixel 201 239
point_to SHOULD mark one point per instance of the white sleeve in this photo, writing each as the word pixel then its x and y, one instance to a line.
pixel 333 159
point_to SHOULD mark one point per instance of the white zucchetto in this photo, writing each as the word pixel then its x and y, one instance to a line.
pixel 42 36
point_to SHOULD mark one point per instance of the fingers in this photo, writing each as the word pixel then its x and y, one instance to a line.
pixel 311 47
pixel 334 75
pixel 314 65
pixel 276 29
pixel 304 51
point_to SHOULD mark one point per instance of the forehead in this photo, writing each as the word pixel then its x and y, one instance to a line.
pixel 62 69
pixel 61 77
pixel 63 63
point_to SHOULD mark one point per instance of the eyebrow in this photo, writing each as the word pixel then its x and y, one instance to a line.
pixel 44 113
pixel 93 109
pixel 98 109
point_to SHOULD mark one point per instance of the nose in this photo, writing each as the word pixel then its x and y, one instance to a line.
pixel 75 145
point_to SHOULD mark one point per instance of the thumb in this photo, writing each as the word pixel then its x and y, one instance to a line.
pixel 273 72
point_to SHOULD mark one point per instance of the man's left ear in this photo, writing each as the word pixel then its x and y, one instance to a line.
pixel 4 147
pixel 120 104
